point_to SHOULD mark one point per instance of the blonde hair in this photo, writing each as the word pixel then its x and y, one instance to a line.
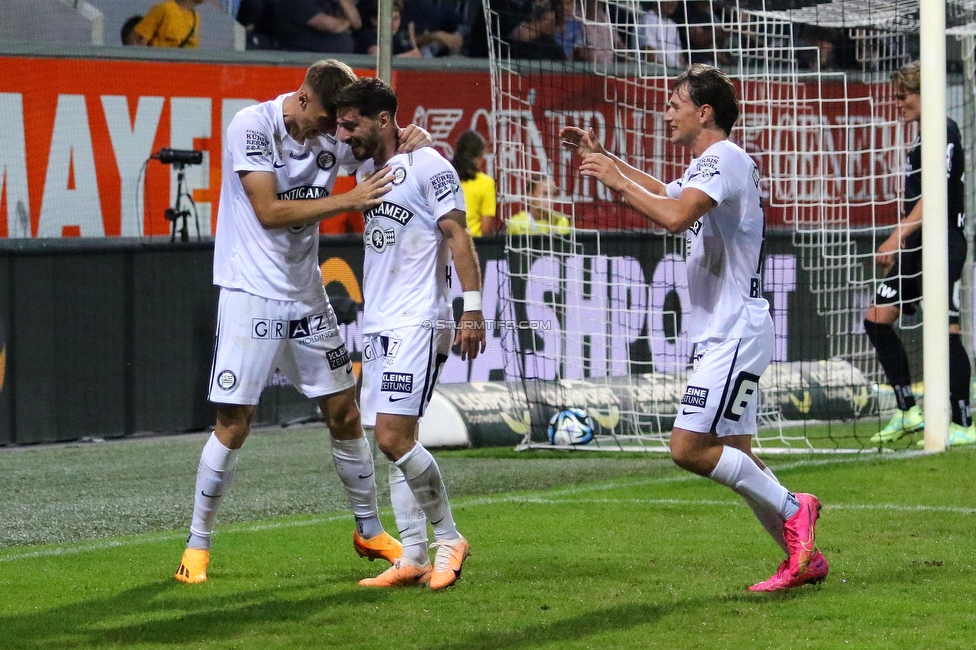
pixel 908 78
pixel 326 78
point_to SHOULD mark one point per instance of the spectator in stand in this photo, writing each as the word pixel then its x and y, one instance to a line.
pixel 658 35
pixel 316 25
pixel 539 218
pixel 588 37
pixel 530 27
pixel 436 27
pixel 478 187
pixel 257 16
pixel 128 34
pixel 173 23
pixel 702 36
pixel 404 44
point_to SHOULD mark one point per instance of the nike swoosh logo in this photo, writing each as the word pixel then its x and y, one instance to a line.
pixel 277 166
pixel 211 496
pixel 367 476
pixel 398 399
pixel 348 370
pixel 434 523
pixel 687 412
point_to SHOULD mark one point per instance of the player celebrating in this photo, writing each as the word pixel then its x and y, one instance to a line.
pixel 718 204
pixel 901 254
pixel 279 167
pixel 407 326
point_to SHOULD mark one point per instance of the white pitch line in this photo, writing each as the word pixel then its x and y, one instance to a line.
pixel 492 500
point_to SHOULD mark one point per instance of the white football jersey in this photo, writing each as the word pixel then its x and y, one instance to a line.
pixel 407 270
pixel 725 246
pixel 281 263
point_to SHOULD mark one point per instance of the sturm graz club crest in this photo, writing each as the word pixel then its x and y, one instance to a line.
pixel 377 238
pixel 399 175
pixel 326 160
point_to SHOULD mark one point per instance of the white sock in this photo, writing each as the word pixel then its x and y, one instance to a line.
pixel 214 475
pixel 425 481
pixel 410 519
pixel 354 464
pixel 768 517
pixel 735 470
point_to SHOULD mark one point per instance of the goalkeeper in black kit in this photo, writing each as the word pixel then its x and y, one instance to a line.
pixel 901 290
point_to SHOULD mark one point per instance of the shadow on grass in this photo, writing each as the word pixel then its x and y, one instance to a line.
pixel 159 614
pixel 577 628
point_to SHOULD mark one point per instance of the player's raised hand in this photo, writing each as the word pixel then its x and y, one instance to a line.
pixel 470 335
pixel 412 137
pixel 585 142
pixel 602 168
pixel 370 191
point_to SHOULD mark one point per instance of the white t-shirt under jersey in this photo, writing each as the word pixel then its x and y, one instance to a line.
pixel 407 267
pixel 280 263
pixel 725 246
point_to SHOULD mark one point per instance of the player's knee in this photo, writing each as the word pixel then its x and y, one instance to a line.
pixel 343 420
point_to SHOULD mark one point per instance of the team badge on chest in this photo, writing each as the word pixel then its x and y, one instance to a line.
pixel 326 160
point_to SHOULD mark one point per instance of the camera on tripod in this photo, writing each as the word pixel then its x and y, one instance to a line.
pixel 179 156
pixel 179 159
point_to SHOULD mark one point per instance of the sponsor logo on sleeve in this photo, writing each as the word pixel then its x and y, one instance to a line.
pixel 256 143
pixel 706 168
pixel 397 382
pixel 444 184
pixel 695 396
pixel 338 358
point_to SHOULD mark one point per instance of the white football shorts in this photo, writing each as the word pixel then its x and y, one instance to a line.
pixel 255 335
pixel 722 395
pixel 400 368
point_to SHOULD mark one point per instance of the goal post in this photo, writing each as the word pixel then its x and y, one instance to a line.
pixel 818 116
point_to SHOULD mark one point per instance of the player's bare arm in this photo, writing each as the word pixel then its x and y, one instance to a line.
pixel 470 332
pixel 586 142
pixel 885 256
pixel 272 212
pixel 674 215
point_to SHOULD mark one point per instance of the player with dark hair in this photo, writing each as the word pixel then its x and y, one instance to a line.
pixel 128 34
pixel 280 162
pixel 411 238
pixel 717 203
pixel 901 255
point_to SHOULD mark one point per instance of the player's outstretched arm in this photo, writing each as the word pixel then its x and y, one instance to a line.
pixel 674 215
pixel 586 142
pixel 470 335
pixel 412 137
pixel 262 191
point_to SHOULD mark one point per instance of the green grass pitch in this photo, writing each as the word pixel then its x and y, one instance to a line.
pixel 570 550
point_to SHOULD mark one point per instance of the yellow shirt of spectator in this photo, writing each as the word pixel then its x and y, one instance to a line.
pixel 171 24
pixel 524 223
pixel 479 201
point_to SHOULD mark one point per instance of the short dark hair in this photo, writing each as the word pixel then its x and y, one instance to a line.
pixel 326 78
pixel 370 96
pixel 708 85
pixel 128 26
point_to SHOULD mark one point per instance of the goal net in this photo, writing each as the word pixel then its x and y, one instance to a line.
pixel 601 295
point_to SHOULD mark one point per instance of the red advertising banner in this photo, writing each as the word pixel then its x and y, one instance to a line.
pixel 76 138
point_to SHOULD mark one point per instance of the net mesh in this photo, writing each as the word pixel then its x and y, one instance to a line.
pixel 604 294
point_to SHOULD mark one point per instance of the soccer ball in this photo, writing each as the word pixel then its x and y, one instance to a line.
pixel 571 427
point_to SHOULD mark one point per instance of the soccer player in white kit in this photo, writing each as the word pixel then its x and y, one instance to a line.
pixel 717 203
pixel 408 322
pixel 280 162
